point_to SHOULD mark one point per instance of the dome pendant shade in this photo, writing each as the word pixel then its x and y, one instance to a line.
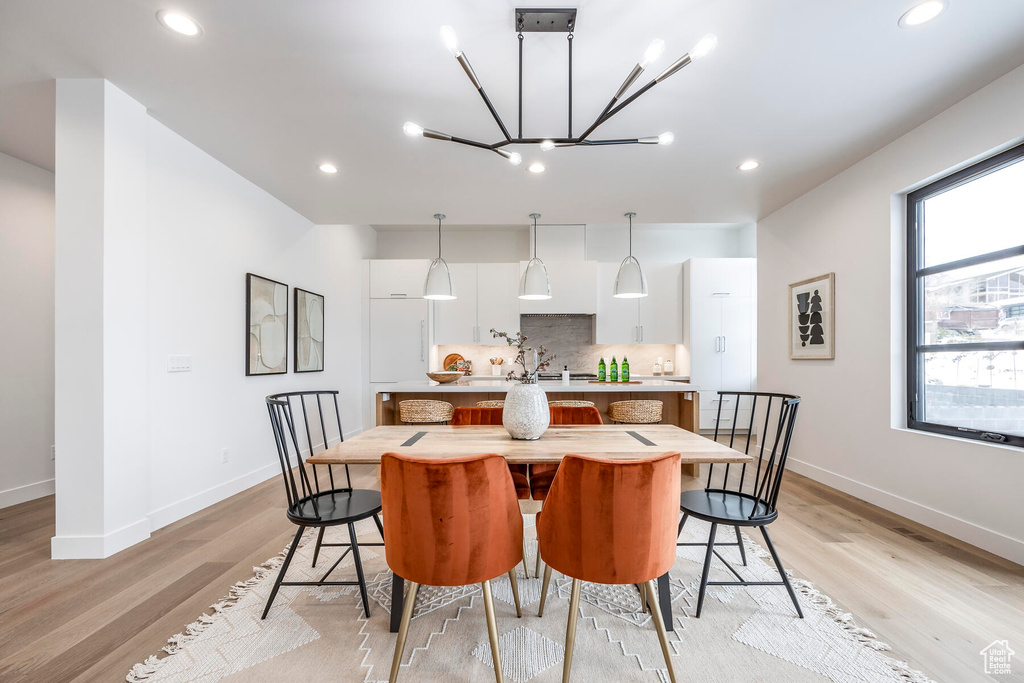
pixel 439 282
pixel 630 283
pixel 535 284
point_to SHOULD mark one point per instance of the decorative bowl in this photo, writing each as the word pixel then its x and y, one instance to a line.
pixel 445 376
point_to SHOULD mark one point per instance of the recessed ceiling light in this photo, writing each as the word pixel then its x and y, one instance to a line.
pixel 537 167
pixel 328 168
pixel 179 23
pixel 748 165
pixel 921 13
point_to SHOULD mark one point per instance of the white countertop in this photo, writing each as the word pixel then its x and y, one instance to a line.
pixel 494 385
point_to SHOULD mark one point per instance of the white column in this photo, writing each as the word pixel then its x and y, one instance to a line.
pixel 102 463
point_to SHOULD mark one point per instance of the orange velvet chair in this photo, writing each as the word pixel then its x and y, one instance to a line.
pixel 610 522
pixel 450 522
pixel 492 416
pixel 541 475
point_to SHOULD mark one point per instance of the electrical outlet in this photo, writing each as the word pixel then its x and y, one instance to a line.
pixel 179 363
pixel 224 455
pixel 53 452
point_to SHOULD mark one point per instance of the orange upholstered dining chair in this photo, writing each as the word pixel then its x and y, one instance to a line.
pixel 450 522
pixel 492 416
pixel 610 522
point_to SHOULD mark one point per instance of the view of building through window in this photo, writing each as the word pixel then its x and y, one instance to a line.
pixel 967 367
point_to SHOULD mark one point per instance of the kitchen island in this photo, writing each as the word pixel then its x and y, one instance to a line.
pixel 680 399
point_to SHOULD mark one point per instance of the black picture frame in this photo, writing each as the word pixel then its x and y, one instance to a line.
pixel 316 346
pixel 269 321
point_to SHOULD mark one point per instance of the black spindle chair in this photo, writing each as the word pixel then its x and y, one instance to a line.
pixel 308 504
pixel 749 499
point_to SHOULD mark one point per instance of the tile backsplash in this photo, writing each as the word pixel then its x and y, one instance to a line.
pixel 570 338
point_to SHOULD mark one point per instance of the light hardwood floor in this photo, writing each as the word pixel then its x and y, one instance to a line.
pixel 936 600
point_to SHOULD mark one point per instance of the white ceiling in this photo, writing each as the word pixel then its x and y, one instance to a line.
pixel 805 86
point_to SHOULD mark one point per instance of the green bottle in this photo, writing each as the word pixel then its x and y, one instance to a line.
pixel 625 369
pixel 615 371
pixel 601 371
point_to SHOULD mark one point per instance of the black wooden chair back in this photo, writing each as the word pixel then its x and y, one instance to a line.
pixel 771 418
pixel 305 423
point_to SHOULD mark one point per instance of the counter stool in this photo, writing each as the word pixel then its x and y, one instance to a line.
pixel 570 404
pixel 490 404
pixel 635 412
pixel 425 412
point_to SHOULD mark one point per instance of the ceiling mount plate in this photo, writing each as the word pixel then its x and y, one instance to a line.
pixel 546 20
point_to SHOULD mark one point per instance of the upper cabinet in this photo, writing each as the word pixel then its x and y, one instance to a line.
pixel 654 319
pixel 487 297
pixel 573 288
pixel 398 278
pixel 722 277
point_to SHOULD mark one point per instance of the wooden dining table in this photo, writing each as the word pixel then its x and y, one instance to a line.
pixel 613 442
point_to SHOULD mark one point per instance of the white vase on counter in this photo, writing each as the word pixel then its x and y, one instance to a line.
pixel 526 414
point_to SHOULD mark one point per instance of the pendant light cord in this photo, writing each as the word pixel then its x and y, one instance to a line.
pixel 630 236
pixel 439 238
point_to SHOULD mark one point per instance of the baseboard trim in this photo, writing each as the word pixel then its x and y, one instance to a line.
pixel 23 494
pixel 986 539
pixel 204 499
pixel 98 547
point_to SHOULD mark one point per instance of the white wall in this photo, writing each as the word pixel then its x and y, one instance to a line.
pixel 849 433
pixel 199 252
pixel 175 243
pixel 26 345
pixel 666 242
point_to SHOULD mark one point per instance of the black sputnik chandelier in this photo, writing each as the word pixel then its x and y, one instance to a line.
pixel 553 20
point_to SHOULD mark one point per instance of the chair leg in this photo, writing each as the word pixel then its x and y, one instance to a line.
pixel 492 630
pixel 544 589
pixel 319 540
pixel 782 571
pixel 403 630
pixel 707 569
pixel 359 569
pixel 659 625
pixel 570 629
pixel 681 523
pixel 526 571
pixel 536 568
pixel 380 527
pixel 739 542
pixel 284 568
pixel 515 591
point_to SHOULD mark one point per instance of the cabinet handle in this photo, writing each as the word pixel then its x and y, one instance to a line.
pixel 641 333
pixel 718 344
pixel 423 340
pixel 723 343
pixel 720 293
pixel 394 295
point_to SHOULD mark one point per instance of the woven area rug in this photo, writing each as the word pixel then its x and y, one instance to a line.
pixel 320 634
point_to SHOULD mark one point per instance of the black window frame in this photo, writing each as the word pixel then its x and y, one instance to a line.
pixel 916 272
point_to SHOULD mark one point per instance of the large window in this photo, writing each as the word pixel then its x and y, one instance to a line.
pixel 965 302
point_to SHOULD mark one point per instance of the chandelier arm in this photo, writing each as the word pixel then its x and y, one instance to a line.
pixel 630 79
pixel 628 100
pixel 471 143
pixel 570 87
pixel 621 141
pixel 464 61
pixel 673 68
pixel 520 83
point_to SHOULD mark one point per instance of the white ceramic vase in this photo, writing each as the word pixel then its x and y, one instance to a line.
pixel 526 414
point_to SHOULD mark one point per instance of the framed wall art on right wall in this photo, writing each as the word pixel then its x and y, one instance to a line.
pixel 812 318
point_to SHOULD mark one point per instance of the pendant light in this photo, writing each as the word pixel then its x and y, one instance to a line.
pixel 439 281
pixel 535 285
pixel 630 283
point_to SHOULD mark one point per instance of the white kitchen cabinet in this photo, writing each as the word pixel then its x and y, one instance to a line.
pixel 661 311
pixel 398 278
pixel 497 293
pixel 573 288
pixel 654 319
pixel 719 331
pixel 455 321
pixel 722 277
pixel 399 339
pixel 487 297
